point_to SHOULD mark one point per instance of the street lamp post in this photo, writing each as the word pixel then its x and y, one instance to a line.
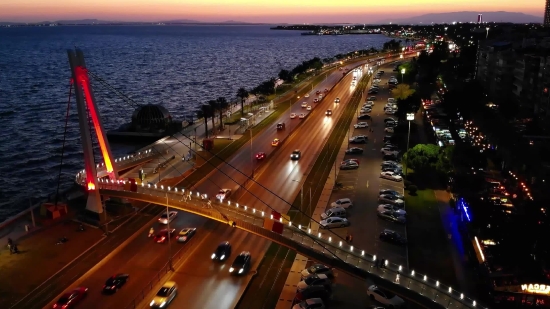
pixel 301 193
pixel 169 236
pixel 410 117
pixel 251 155
pixel 402 73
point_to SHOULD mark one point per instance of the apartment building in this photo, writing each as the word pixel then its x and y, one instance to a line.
pixel 495 67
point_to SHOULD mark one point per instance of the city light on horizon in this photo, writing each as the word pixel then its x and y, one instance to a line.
pixel 261 11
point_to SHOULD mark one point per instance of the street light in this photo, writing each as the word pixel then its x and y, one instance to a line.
pixel 301 193
pixel 251 155
pixel 402 73
pixel 169 236
pixel 410 117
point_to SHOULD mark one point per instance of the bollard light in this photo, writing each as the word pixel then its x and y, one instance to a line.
pixel 319 235
pixel 474 303
pixel 237 204
pixel 412 273
pixel 386 263
pixel 461 296
pixel 162 187
pixel 400 268
pixel 425 277
pixel 362 252
pixel 300 226
pixel 450 290
pixel 374 258
pixel 437 283
pixel 351 248
pixel 309 231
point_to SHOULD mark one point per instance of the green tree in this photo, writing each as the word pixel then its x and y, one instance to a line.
pixel 422 158
pixel 204 112
pixel 285 75
pixel 402 92
pixel 243 95
pixel 214 108
pixel 222 106
pixel 444 160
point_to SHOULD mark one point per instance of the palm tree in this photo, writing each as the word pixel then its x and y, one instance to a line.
pixel 213 108
pixel 243 95
pixel 222 106
pixel 204 112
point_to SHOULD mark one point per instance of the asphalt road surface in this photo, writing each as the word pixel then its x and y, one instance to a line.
pixel 220 289
pixel 362 186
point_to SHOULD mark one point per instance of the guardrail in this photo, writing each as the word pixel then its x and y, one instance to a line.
pixel 328 250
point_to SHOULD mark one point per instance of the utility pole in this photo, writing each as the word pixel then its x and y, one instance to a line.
pixel 169 235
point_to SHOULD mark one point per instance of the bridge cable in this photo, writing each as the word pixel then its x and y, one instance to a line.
pixel 63 144
pixel 126 98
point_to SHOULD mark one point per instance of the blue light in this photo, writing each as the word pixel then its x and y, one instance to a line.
pixel 465 208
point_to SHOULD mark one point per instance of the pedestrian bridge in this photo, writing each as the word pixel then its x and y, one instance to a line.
pixel 324 247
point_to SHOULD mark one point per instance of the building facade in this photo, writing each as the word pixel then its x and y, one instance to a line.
pixel 546 21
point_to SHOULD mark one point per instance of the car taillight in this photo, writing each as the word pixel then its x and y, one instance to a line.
pixel 163 238
pixel 55 305
pixel 65 306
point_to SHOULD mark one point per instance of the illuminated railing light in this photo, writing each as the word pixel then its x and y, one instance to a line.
pixel 155 186
pixel 262 213
pixel 461 296
pixel 309 231
pixel 400 268
pixel 289 223
pixel 340 243
pixel 281 219
pixel 229 202
pixel 253 210
pixel 168 188
pixel 299 226
pixel 362 252
pixel 319 235
pixel 176 189
pixel 386 263
pixel 162 187
pixel 450 290
pixel 271 217
pixel 245 207
pixel 474 303
pixel 437 283
pixel 425 277
pixel 350 248
pixel 374 258
pixel 329 239
pixel 148 185
pixel 237 205
pixel 198 194
pixel 412 273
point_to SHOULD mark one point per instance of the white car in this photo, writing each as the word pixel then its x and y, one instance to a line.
pixel 304 104
pixel 302 116
pixel 369 103
pixel 167 218
pixel 343 202
pixel 395 209
pixel 306 95
pixel 292 115
pixel 389 152
pixel 223 194
pixel 389 130
pixel 310 303
pixel 396 164
pixel 337 100
pixel 334 222
pixel 390 199
pixel 361 125
pixel 165 295
pixel 389 112
pixel 391 176
pixel 308 107
pixel 391 100
pixel 384 297
pixel 366 110
pixel 376 80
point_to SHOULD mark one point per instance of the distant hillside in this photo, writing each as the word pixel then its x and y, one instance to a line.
pixel 466 16
pixel 181 21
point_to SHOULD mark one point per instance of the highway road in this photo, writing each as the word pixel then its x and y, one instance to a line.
pixel 362 186
pixel 221 289
pixel 142 258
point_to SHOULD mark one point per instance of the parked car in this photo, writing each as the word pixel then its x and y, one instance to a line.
pixel 391 216
pixel 310 303
pixel 364 117
pixel 314 279
pixel 343 202
pixel 349 165
pixel 318 269
pixel 384 297
pixel 393 237
pixel 397 210
pixel 361 125
pixel 354 150
pixel 334 222
pixel 359 139
pixel 391 192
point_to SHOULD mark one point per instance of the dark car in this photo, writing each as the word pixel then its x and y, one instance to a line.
pixel 260 156
pixel 387 138
pixel 223 251
pixel 186 234
pixel 318 269
pixel 354 150
pixel 115 282
pixel 162 235
pixel 241 264
pixel 393 237
pixel 296 155
pixel 71 299
pixel 364 117
pixel 389 158
pixel 281 126
pixel 373 91
pixel 314 291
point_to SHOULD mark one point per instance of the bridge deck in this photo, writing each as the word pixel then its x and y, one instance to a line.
pixel 324 246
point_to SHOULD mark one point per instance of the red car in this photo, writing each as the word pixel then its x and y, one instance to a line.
pixel 260 156
pixel 71 299
pixel 163 235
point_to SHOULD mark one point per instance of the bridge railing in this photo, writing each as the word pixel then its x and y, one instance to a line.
pixel 323 242
pixel 121 163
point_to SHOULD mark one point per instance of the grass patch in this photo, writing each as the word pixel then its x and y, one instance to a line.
pixel 429 250
pixel 219 146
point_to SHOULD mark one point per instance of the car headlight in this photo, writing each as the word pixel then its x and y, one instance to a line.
pixel 222 257
pixel 241 270
pixel 213 255
pixel 231 269
pixel 162 304
pixel 152 303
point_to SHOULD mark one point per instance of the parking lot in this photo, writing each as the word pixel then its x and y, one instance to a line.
pixel 362 186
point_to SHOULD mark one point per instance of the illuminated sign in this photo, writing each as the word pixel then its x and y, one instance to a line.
pixel 536 288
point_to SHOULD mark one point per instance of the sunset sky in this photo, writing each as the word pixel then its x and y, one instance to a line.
pixel 265 11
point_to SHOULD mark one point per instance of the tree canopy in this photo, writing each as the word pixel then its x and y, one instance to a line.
pixel 402 92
